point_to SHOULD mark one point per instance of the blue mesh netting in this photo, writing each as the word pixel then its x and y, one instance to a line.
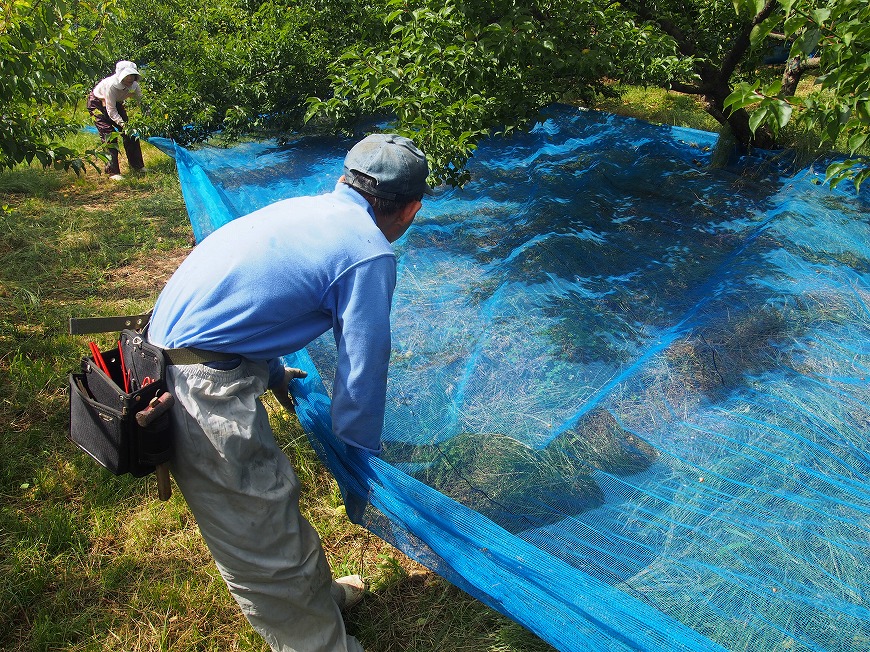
pixel 628 402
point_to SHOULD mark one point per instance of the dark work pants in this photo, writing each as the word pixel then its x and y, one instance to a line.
pixel 105 127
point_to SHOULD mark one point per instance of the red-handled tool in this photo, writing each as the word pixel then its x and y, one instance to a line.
pixel 98 358
pixel 156 407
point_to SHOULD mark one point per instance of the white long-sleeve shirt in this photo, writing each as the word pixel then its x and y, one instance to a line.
pixel 111 91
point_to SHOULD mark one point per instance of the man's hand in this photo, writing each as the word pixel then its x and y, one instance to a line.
pixel 281 390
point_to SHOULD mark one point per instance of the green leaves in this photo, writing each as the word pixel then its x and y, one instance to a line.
pixel 431 77
pixel 748 9
pixel 769 108
pixel 839 34
pixel 744 95
pixel 855 169
pixel 235 66
pixel 46 48
pixel 838 108
pixel 449 72
pixel 762 31
pixel 454 72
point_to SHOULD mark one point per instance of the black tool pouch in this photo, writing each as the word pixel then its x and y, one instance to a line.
pixel 103 412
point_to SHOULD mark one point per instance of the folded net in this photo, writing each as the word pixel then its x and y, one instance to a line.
pixel 628 395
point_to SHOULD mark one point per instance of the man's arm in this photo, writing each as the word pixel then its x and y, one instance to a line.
pixel 362 334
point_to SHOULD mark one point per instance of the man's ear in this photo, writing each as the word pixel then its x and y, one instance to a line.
pixel 407 214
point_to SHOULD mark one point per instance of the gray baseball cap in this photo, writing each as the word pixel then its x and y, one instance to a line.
pixel 394 162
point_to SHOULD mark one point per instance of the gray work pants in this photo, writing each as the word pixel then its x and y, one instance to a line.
pixel 245 497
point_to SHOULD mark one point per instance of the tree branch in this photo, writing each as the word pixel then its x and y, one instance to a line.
pixel 688 89
pixel 642 9
pixel 794 71
pixel 741 44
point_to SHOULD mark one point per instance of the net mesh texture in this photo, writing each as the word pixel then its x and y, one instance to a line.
pixel 628 394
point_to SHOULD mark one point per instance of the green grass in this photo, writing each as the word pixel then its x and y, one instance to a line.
pixel 94 562
pixel 658 106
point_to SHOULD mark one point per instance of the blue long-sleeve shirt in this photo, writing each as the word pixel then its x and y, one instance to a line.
pixel 268 283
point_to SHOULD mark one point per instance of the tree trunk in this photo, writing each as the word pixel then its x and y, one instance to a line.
pixel 714 91
pixel 738 120
pixel 715 84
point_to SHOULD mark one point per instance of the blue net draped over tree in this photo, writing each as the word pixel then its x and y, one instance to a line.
pixel 628 402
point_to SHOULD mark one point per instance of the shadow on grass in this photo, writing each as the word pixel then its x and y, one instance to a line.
pixel 421 611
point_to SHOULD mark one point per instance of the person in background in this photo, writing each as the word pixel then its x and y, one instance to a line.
pixel 106 106
pixel 260 287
